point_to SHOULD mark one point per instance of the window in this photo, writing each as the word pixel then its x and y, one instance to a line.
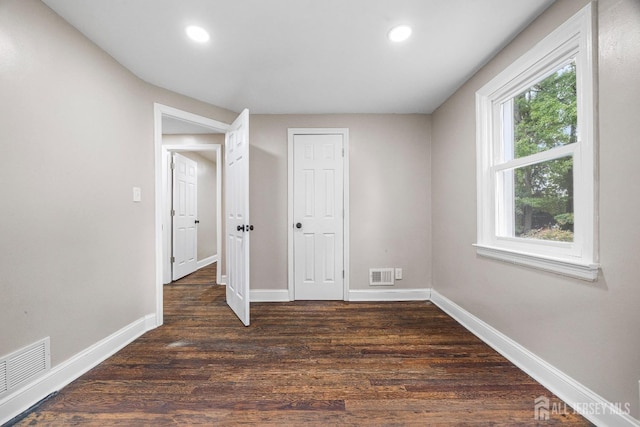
pixel 536 156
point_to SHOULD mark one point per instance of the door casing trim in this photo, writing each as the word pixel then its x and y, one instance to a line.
pixel 345 159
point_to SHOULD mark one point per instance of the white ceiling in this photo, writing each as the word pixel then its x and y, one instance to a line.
pixel 304 56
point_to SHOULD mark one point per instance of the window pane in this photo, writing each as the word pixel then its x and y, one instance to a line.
pixel 543 200
pixel 544 115
pixel 536 201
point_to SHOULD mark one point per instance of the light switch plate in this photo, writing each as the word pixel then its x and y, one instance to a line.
pixel 398 274
pixel 137 194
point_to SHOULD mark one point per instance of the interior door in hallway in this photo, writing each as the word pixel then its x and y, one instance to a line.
pixel 238 225
pixel 184 213
pixel 318 213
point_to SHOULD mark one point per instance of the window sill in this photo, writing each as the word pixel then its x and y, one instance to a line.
pixel 564 267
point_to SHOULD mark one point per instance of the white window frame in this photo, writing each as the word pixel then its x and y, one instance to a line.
pixel 572 41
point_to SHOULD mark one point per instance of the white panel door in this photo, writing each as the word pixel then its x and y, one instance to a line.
pixel 185 216
pixel 237 216
pixel 318 217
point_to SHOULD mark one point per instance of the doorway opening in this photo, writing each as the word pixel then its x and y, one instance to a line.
pixel 192 203
pixel 169 120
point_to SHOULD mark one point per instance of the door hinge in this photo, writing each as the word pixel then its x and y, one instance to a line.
pixel 343 152
pixel 173 212
pixel 343 274
pixel 173 165
pixel 173 259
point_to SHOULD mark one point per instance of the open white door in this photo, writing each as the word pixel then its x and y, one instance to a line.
pixel 237 216
pixel 184 215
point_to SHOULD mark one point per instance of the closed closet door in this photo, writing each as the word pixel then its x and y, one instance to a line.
pixel 318 213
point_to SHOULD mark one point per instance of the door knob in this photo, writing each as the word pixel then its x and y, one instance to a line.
pixel 299 225
pixel 197 221
pixel 250 227
pixel 241 228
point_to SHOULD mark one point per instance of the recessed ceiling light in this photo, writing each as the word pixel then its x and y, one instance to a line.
pixel 400 33
pixel 197 34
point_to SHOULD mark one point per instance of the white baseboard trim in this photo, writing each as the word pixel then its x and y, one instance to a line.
pixel 282 295
pixel 387 294
pixel 269 295
pixel 150 322
pixel 61 375
pixel 589 404
pixel 207 261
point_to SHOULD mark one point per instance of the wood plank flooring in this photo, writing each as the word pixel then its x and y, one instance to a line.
pixel 301 363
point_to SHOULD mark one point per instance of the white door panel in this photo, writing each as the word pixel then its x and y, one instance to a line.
pixel 318 216
pixel 185 208
pixel 237 216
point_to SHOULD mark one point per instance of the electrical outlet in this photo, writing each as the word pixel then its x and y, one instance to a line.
pixel 398 274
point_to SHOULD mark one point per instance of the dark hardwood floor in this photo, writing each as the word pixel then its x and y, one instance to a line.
pixel 301 363
pixel 204 276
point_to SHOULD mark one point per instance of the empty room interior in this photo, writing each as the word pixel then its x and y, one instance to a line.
pixel 404 212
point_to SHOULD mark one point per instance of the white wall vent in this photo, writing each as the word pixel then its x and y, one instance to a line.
pixel 24 365
pixel 381 277
pixel 3 377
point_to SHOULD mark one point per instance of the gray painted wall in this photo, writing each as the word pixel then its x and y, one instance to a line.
pixel 76 130
pixel 389 195
pixel 587 330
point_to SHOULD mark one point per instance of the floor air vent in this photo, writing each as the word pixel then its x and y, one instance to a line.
pixel 24 365
pixel 381 276
pixel 3 377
